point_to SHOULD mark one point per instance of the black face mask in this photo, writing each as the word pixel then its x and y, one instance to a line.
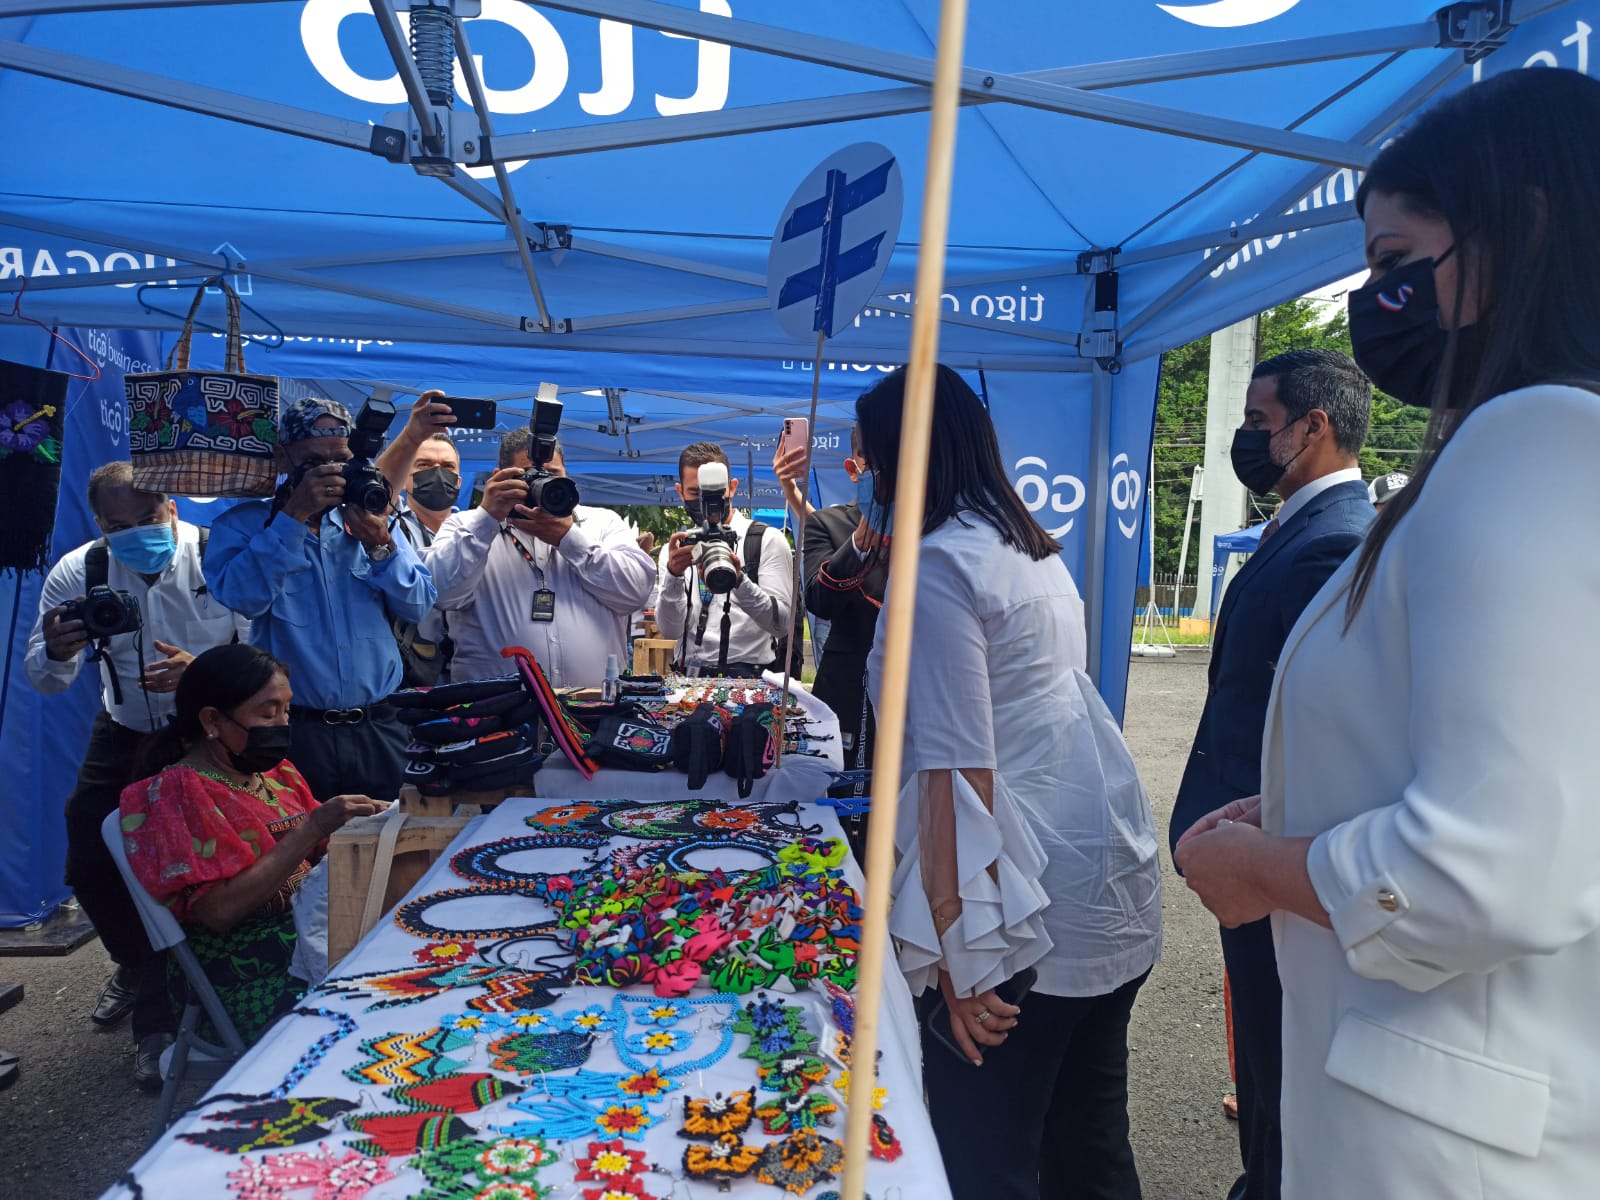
pixel 435 489
pixel 265 747
pixel 1396 336
pixel 1251 455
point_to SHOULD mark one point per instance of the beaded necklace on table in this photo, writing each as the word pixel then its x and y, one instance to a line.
pixel 630 1058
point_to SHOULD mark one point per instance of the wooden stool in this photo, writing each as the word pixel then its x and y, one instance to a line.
pixel 653 656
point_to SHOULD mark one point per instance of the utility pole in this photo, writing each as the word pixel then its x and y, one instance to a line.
pixel 1233 357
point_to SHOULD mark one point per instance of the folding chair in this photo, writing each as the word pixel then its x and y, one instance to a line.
pixel 190 1057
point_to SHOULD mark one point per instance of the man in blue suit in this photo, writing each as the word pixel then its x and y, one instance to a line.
pixel 1305 418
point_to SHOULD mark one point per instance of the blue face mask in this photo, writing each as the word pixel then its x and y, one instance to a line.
pixel 878 517
pixel 144 549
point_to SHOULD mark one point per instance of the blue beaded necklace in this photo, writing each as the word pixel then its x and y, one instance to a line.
pixel 658 1042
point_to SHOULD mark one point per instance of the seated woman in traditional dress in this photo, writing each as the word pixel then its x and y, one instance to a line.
pixel 224 830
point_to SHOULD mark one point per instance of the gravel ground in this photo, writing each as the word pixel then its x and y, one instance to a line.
pixel 76 1120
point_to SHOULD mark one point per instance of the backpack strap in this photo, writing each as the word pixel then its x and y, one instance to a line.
pixel 96 566
pixel 752 550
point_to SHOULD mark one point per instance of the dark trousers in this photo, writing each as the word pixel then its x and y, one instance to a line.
pixel 1257 1056
pixel 367 759
pixel 94 879
pixel 1046 1116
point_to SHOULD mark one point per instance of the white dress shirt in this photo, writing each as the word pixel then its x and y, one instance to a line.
pixel 1062 874
pixel 599 576
pixel 177 609
pixel 1315 488
pixel 759 611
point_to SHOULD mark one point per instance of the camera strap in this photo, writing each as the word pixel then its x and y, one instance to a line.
pixel 707 602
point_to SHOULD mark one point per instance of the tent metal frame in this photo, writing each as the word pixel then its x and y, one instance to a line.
pixel 1466 30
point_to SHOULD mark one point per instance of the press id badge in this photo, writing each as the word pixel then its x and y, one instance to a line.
pixel 544 605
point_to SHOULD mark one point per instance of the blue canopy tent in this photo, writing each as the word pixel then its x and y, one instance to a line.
pixel 483 194
pixel 1224 545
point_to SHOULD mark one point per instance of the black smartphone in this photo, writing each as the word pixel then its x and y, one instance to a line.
pixel 1011 991
pixel 479 482
pixel 471 414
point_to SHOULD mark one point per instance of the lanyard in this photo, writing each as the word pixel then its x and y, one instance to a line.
pixel 538 571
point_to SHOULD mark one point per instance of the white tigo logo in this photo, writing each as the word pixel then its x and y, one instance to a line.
pixel 319 32
pixel 1064 494
pixel 1229 14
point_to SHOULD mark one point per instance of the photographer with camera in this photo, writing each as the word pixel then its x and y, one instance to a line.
pixel 319 574
pixel 136 602
pixel 532 567
pixel 726 618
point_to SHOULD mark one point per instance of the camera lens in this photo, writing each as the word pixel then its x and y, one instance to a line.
pixel 555 494
pixel 103 613
pixel 717 571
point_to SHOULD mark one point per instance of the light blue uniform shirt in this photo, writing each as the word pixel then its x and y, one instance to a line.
pixel 318 603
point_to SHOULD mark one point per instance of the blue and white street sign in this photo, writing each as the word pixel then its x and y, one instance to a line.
pixel 833 242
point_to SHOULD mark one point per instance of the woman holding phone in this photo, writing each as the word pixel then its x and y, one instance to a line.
pixel 1425 840
pixel 1028 851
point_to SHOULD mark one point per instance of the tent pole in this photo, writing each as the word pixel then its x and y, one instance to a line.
pixel 416 91
pixel 797 586
pixel 1097 508
pixel 911 476
pixel 513 214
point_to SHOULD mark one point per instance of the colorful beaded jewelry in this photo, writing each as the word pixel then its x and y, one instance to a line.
pixel 879 1094
pixel 458 1093
pixel 724 1160
pixel 453 951
pixel 412 916
pixel 881 1140
pixel 665 1013
pixel 478 1169
pixel 796 1110
pixel 648 1086
pixel 263 1123
pixel 609 1162
pixel 591 1020
pixel 349 1176
pixel 801 1161
pixel 400 1058
pixel 719 1115
pixel 344 1024
pixel 624 1120
pixel 527 1053
pixel 413 985
pixel 680 1039
pixel 567 816
pixel 481 863
pixel 561 1119
pixel 793 1074
pixel 390 1133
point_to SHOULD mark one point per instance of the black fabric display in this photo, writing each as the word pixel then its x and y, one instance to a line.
pixel 752 746
pixel 700 742
pixel 631 740
pixel 448 695
pixel 33 405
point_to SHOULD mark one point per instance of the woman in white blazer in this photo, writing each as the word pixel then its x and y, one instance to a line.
pixel 1428 835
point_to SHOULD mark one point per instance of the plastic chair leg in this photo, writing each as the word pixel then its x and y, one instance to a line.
pixel 173 1076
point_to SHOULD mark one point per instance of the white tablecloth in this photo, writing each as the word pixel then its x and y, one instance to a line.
pixel 176 1168
pixel 800 777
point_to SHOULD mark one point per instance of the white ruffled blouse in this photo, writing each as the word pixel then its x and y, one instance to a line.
pixel 1063 874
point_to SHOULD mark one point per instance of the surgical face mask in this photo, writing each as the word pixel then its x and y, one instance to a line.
pixel 265 747
pixel 1396 336
pixel 696 509
pixel 878 517
pixel 144 549
pixel 1251 456
pixel 435 489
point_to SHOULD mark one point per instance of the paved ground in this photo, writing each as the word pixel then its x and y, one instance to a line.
pixel 73 1121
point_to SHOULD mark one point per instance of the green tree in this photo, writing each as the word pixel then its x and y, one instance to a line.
pixel 650 518
pixel 1392 442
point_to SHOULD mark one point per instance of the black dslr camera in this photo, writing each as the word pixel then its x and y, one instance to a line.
pixel 104 613
pixel 713 537
pixel 555 494
pixel 364 484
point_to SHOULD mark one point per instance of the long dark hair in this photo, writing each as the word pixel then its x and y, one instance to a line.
pixel 222 677
pixel 964 467
pixel 1512 164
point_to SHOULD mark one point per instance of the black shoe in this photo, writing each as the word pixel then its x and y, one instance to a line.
pixel 147 1061
pixel 10 1067
pixel 116 1001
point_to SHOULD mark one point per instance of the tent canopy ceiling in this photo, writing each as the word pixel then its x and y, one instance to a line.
pixel 1105 151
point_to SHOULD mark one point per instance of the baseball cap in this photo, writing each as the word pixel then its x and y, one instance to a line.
pixel 296 418
pixel 1384 487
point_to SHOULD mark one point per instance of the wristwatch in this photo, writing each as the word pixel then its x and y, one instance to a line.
pixel 379 553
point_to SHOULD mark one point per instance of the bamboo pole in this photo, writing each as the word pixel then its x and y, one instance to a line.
pixel 797 585
pixel 911 480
